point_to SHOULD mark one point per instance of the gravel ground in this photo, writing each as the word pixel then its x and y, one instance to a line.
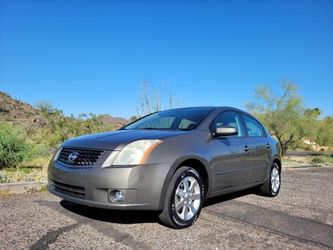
pixel 301 217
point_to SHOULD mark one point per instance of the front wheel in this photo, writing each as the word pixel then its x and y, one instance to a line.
pixel 273 183
pixel 184 199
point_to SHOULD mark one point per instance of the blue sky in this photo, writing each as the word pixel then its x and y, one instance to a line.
pixel 90 56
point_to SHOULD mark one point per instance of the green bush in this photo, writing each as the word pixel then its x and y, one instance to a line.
pixel 13 147
pixel 323 159
pixel 4 178
pixel 318 160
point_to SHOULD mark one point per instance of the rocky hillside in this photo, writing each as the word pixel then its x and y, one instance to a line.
pixel 25 115
pixel 20 113
pixel 118 121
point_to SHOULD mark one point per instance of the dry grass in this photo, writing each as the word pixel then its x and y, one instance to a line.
pixel 4 194
pixel 323 159
pixel 35 170
pixel 308 161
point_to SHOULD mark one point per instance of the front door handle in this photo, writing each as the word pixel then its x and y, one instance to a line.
pixel 246 148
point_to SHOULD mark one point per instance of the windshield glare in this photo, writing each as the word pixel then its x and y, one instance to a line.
pixel 177 119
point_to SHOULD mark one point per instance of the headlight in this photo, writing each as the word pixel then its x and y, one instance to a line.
pixel 57 154
pixel 134 153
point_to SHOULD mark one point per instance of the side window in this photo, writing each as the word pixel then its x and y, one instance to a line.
pixel 252 126
pixel 229 118
pixel 186 124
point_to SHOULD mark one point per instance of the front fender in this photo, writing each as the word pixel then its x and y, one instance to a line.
pixel 175 166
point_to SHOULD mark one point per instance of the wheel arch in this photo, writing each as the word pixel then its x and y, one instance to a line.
pixel 196 162
pixel 278 161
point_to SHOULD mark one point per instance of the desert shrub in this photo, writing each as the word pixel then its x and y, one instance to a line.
pixel 13 147
pixel 3 178
pixel 62 127
pixel 45 107
pixel 323 159
pixel 317 160
pixel 304 147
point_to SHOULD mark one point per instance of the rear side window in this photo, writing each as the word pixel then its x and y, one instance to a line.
pixel 186 124
pixel 253 127
pixel 229 118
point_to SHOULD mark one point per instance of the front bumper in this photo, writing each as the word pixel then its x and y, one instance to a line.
pixel 141 185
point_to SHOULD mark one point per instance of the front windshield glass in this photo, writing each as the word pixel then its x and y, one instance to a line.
pixel 176 119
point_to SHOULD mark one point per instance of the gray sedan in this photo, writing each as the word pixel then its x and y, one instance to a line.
pixel 170 161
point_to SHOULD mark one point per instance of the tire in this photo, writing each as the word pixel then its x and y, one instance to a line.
pixel 271 187
pixel 181 209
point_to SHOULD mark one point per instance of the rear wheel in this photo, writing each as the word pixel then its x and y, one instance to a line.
pixel 273 183
pixel 184 199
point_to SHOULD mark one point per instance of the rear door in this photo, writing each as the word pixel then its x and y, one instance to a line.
pixel 259 148
pixel 231 160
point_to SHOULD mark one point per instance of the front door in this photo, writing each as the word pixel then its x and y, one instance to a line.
pixel 231 158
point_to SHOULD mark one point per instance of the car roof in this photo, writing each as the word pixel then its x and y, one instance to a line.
pixel 207 107
pixel 218 109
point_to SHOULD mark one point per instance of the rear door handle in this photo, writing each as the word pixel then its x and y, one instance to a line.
pixel 246 148
pixel 268 145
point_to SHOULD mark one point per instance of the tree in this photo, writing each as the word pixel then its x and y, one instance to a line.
pixel 45 107
pixel 284 115
pixel 311 118
pixel 151 99
pixel 133 118
pixel 325 132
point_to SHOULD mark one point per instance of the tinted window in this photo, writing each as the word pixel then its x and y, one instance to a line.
pixel 253 127
pixel 184 119
pixel 229 118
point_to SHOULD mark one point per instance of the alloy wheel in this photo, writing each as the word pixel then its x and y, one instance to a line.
pixel 187 198
pixel 275 179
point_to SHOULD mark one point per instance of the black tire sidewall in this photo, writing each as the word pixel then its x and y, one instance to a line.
pixel 173 214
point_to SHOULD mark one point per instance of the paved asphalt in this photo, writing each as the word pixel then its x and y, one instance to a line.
pixel 301 217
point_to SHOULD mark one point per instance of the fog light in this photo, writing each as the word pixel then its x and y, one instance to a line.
pixel 116 196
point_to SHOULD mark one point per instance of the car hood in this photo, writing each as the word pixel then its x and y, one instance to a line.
pixel 119 138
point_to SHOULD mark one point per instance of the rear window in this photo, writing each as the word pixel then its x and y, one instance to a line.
pixel 253 127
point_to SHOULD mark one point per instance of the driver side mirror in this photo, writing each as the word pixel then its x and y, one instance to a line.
pixel 225 131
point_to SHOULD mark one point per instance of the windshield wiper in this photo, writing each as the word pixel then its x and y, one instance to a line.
pixel 171 129
pixel 147 128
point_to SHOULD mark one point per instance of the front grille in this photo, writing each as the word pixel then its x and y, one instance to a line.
pixel 68 189
pixel 79 157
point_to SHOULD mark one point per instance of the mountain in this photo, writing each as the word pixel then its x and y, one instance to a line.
pixel 20 113
pixel 25 115
pixel 118 121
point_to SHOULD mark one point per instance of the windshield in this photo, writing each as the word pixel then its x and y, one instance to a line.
pixel 176 119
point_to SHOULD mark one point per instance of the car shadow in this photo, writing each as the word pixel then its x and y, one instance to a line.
pixel 112 216
pixel 231 196
pixel 135 217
